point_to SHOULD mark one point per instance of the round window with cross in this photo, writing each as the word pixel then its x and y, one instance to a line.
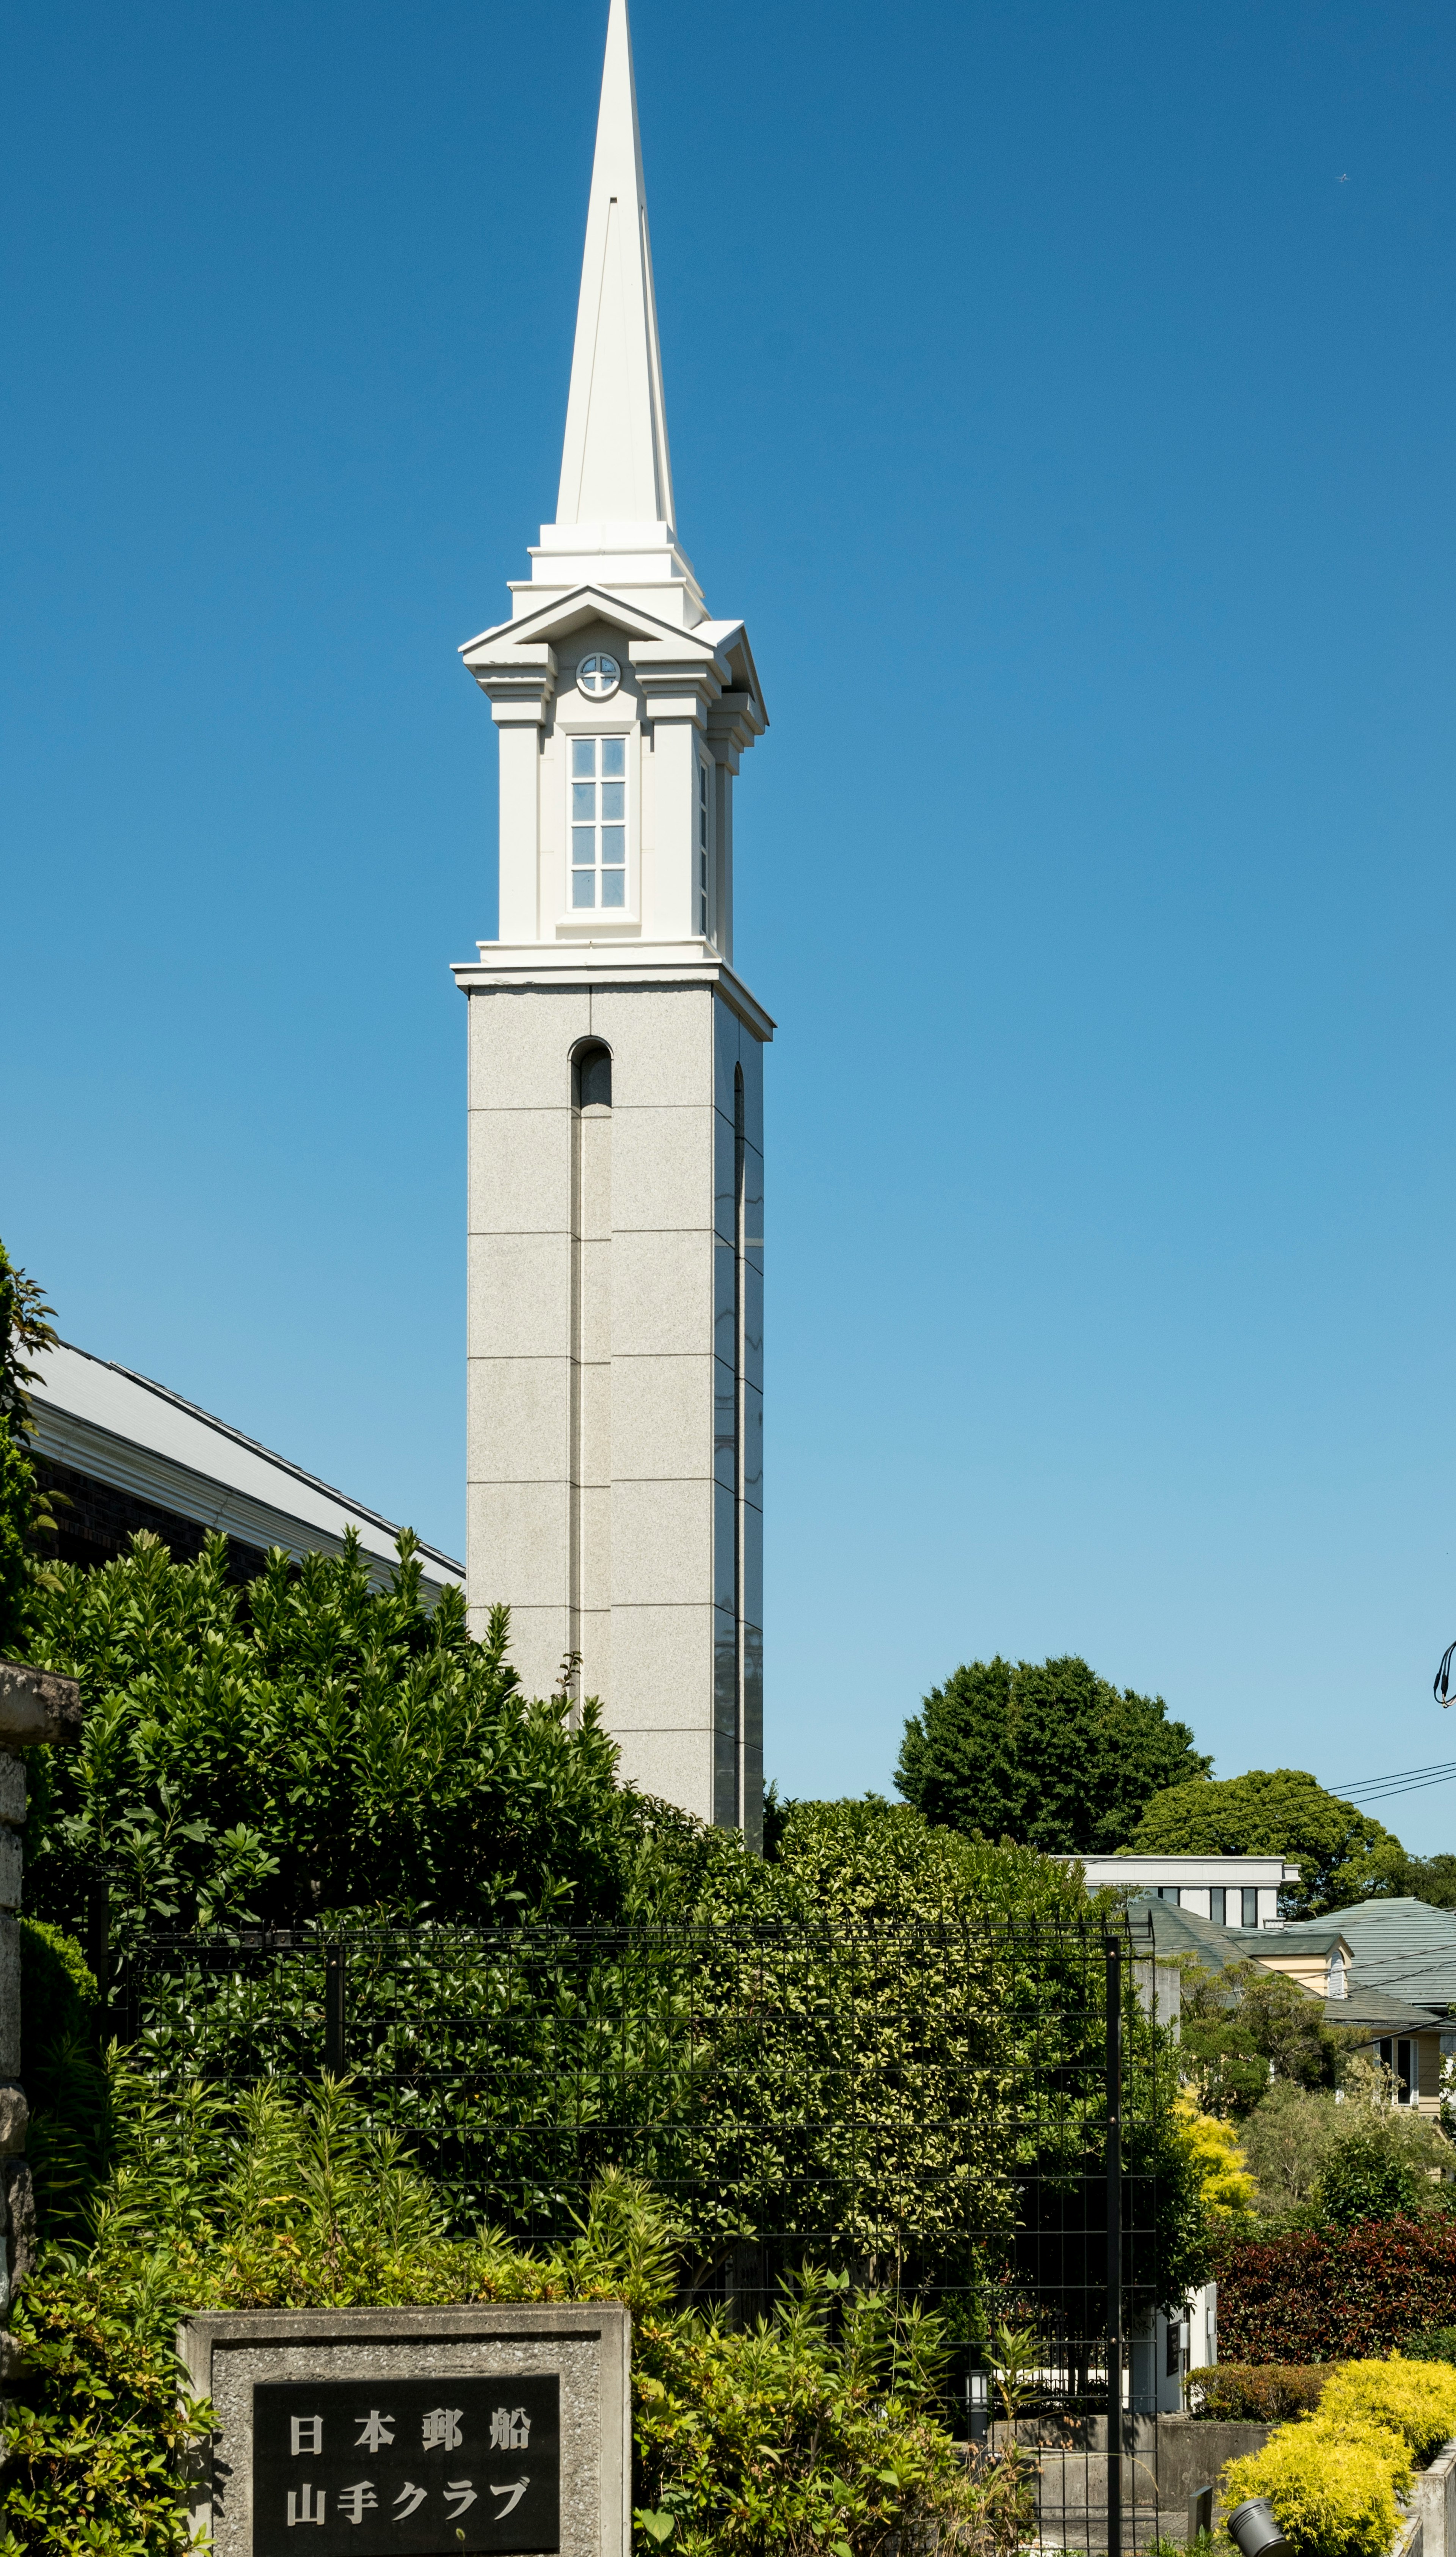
pixel 598 675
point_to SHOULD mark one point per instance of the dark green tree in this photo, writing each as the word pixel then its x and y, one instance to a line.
pixel 1044 1752
pixel 1431 1878
pixel 24 1514
pixel 1342 1854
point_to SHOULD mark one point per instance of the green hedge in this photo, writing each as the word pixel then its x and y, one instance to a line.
pixel 1258 2392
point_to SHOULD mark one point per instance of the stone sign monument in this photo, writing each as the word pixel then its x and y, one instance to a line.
pixel 438 2432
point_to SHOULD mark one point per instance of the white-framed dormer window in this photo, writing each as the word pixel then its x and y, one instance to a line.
pixel 702 833
pixel 598 823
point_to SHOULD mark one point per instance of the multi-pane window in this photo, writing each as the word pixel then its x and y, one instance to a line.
pixel 599 821
pixel 702 850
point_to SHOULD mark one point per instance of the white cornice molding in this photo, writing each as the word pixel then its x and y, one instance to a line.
pixel 557 616
pixel 554 966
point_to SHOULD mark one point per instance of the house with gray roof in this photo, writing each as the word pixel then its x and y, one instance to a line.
pixel 1366 1971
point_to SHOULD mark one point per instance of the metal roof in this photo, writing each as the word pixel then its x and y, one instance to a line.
pixel 1311 1935
pixel 1178 1932
pixel 118 1427
pixel 1404 1947
pixel 1382 2014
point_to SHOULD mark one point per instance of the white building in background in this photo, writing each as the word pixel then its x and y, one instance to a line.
pixel 1232 1890
pixel 616 1086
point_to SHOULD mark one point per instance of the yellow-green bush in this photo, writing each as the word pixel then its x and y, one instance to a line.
pixel 1333 2477
pixel 1333 2491
pixel 1415 2398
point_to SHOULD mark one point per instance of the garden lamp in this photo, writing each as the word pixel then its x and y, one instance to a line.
pixel 1254 2529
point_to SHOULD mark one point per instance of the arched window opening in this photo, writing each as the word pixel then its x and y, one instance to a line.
pixel 591 1076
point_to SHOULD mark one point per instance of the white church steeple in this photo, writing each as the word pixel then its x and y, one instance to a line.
pixel 615 466
pixel 616 1333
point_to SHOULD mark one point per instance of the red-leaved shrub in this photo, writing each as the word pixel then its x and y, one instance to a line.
pixel 1336 2295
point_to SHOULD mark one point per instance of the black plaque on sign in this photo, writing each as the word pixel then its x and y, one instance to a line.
pixel 432 2468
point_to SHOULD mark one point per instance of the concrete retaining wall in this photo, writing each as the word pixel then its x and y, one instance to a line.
pixel 1433 2502
pixel 1191 2450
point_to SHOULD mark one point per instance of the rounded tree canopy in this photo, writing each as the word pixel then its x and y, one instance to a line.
pixel 1342 1854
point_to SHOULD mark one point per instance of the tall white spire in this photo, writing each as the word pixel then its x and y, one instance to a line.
pixel 615 466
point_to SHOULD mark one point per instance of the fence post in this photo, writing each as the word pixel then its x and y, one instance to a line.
pixel 334 2036
pixel 1115 2248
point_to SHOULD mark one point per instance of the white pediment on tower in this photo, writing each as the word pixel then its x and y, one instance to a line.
pixel 523 658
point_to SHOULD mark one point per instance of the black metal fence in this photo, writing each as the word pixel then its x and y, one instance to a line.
pixel 969 2114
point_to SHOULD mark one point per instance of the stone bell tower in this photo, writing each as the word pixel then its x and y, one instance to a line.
pixel 616 1330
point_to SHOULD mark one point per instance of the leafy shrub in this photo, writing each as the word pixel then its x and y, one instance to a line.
pixel 1243 2023
pixel 1226 2185
pixel 1333 2478
pixel 878 1975
pixel 935 1980
pixel 1416 2399
pixel 1333 2493
pixel 1368 2177
pixel 312 1742
pixel 317 1744
pixel 819 2421
pixel 1257 2393
pixel 62 2072
pixel 59 1993
pixel 96 2432
pixel 1332 2294
pixel 1322 2162
pixel 1287 2139
pixel 1437 2344
pixel 812 2429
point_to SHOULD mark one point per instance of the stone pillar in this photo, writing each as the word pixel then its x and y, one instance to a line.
pixel 34 1706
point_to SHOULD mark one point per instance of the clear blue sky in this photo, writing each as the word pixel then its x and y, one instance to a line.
pixel 1065 396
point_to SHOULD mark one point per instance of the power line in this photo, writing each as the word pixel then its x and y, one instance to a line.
pixel 1406 1780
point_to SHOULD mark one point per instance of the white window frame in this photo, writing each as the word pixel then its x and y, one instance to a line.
pixel 598 917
